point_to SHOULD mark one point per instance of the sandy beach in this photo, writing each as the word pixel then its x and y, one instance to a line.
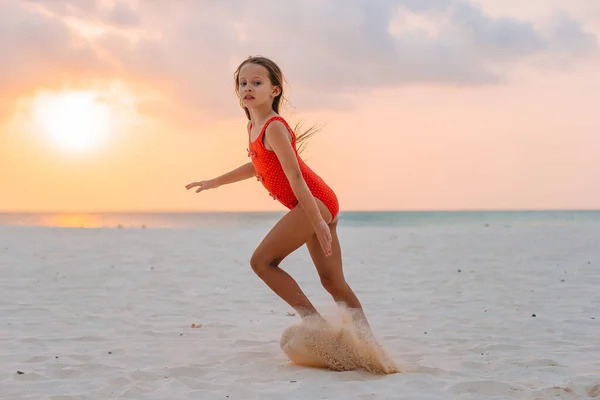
pixel 472 311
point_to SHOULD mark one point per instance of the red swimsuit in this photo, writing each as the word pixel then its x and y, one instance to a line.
pixel 270 173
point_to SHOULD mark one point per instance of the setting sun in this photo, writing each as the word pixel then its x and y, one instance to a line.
pixel 74 121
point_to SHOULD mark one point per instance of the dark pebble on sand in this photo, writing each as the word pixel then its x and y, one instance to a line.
pixel 20 372
pixel 110 352
pixel 55 356
pixel 533 315
pixel 459 270
pixel 593 318
pixel 292 381
pixel 562 280
pixel 426 333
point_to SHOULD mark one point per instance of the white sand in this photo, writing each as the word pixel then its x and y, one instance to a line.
pixel 107 313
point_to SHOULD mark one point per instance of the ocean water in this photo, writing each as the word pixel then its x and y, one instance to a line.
pixel 187 220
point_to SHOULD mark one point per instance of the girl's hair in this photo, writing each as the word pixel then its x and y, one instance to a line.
pixel 276 77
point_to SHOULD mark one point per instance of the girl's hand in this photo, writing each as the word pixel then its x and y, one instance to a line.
pixel 324 235
pixel 202 185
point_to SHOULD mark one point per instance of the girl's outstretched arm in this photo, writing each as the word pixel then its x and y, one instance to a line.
pixel 278 137
pixel 246 171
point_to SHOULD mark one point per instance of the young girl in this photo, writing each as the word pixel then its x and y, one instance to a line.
pixel 313 215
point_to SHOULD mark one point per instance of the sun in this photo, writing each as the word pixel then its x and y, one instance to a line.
pixel 74 121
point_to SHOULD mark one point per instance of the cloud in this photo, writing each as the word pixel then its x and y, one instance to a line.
pixel 121 14
pixel 329 50
pixel 567 37
pixel 118 12
pixel 495 39
pixel 39 51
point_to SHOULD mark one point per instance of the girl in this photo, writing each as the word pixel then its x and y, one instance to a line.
pixel 313 215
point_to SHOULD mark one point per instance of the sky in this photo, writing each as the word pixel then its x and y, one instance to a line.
pixel 425 104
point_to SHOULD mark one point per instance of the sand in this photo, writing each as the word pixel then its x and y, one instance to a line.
pixel 468 312
pixel 346 343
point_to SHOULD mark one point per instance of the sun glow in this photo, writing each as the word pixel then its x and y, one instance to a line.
pixel 74 121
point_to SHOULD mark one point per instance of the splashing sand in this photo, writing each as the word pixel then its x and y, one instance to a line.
pixel 337 345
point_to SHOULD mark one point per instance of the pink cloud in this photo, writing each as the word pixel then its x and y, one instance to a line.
pixel 188 50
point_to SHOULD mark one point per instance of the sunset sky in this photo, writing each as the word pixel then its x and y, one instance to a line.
pixel 426 104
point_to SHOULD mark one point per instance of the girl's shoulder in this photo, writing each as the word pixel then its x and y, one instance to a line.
pixel 278 125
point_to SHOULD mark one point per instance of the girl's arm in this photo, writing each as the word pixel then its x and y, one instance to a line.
pixel 246 171
pixel 278 138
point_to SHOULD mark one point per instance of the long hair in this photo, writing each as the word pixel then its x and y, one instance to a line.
pixel 276 78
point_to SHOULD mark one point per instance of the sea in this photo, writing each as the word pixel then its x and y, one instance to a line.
pixel 191 220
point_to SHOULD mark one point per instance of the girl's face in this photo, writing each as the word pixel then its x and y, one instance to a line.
pixel 255 88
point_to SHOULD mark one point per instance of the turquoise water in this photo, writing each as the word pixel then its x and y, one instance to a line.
pixel 357 218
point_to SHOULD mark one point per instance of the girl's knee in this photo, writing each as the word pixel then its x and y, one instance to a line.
pixel 258 264
pixel 261 263
pixel 335 287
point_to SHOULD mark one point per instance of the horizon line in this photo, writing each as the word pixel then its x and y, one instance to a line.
pixel 355 211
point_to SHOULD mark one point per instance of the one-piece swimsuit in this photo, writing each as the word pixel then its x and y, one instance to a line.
pixel 270 173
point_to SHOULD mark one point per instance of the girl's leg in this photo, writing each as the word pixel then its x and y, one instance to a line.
pixel 291 232
pixel 331 272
